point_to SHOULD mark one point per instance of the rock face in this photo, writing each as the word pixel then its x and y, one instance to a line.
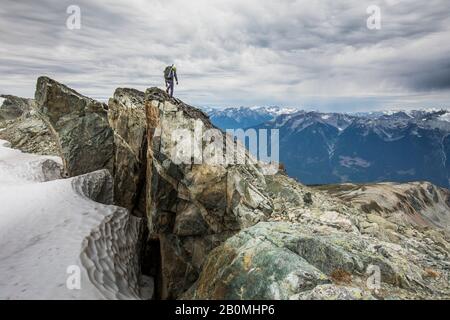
pixel 127 119
pixel 86 140
pixel 22 127
pixel 192 208
pixel 93 136
pixel 321 251
pixel 288 261
pixel 30 134
pixel 13 107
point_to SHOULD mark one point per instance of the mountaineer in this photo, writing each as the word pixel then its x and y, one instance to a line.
pixel 170 72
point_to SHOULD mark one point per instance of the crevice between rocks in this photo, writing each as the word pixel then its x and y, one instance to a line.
pixel 150 260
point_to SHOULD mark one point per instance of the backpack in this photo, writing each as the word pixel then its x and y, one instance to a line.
pixel 168 73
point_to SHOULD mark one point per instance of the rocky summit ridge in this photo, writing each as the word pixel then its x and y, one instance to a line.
pixel 231 230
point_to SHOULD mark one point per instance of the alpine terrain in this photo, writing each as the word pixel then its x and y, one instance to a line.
pixel 96 206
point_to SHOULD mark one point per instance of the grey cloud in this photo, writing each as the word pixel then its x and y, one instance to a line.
pixel 231 52
pixel 435 76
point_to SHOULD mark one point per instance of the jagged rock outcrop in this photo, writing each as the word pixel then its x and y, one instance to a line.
pixel 13 107
pixel 192 207
pixel 22 127
pixel 85 138
pixel 127 119
pixel 92 136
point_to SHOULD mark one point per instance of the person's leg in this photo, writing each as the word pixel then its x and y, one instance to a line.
pixel 171 87
pixel 167 86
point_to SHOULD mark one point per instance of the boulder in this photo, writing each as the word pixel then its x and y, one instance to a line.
pixel 85 138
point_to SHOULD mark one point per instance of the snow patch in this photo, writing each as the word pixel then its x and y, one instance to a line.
pixel 18 168
pixel 48 226
pixel 445 117
pixel 349 162
pixel 277 111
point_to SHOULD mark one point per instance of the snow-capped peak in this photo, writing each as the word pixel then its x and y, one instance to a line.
pixel 445 117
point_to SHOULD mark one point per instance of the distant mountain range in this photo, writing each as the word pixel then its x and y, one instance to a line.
pixel 241 117
pixel 324 148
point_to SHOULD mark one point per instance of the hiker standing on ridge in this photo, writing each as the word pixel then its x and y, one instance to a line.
pixel 169 74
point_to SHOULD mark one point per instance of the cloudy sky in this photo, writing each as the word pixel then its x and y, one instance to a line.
pixel 310 54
